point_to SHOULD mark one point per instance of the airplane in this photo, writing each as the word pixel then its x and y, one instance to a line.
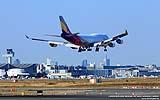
pixel 82 42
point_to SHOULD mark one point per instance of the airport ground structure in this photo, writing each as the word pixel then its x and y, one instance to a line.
pixel 69 72
pixel 49 70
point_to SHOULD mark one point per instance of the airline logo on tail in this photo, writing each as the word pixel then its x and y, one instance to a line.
pixel 64 26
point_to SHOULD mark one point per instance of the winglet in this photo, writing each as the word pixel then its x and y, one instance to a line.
pixel 126 32
pixel 27 36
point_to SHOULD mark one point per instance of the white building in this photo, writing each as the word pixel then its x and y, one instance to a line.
pixel 40 68
pixel 91 66
pixel 61 74
pixel 15 72
pixel 122 73
pixel 2 73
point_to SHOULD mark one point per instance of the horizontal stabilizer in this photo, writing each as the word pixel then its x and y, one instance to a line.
pixel 52 35
pixel 37 39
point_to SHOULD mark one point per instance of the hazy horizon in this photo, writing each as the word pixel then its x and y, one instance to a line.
pixel 36 18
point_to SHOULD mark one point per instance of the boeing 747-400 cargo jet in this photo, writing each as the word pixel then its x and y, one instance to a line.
pixel 83 42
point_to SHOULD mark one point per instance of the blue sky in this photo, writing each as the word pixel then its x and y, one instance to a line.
pixel 36 17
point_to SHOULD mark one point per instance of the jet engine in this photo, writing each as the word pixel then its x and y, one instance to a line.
pixel 53 45
pixel 119 41
pixel 111 45
pixel 72 46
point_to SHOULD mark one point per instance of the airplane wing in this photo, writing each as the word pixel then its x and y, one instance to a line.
pixel 109 41
pixel 119 35
pixel 49 41
pixel 37 39
pixel 55 43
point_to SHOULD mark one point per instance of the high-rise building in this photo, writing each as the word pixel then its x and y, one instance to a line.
pixel 17 61
pixel 106 61
pixel 48 62
pixel 56 63
pixel 84 63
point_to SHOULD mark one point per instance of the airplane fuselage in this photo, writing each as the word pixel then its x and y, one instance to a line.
pixel 94 38
pixel 84 40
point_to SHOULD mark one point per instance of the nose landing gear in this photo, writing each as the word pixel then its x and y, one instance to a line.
pixel 105 49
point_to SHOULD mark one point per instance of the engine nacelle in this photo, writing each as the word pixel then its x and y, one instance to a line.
pixel 53 45
pixel 111 45
pixel 74 48
pixel 119 41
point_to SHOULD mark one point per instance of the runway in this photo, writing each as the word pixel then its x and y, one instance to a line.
pixel 80 91
pixel 111 92
pixel 77 97
pixel 85 94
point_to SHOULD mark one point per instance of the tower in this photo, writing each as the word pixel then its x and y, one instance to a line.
pixel 9 56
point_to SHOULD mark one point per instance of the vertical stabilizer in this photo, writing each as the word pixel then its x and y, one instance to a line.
pixel 64 26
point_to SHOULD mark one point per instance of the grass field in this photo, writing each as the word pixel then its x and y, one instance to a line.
pixel 22 87
pixel 48 83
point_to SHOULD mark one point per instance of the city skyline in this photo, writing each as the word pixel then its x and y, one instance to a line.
pixel 36 18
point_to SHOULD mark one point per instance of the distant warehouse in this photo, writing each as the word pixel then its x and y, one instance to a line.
pixel 15 70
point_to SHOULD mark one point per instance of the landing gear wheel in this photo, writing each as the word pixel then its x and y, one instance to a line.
pixel 89 49
pixel 105 49
pixel 83 49
pixel 97 49
pixel 80 49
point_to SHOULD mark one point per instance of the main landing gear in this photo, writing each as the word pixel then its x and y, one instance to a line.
pixel 89 49
pixel 97 49
pixel 105 49
pixel 84 49
pixel 80 49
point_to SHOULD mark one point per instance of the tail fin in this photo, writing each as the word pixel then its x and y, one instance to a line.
pixel 64 26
